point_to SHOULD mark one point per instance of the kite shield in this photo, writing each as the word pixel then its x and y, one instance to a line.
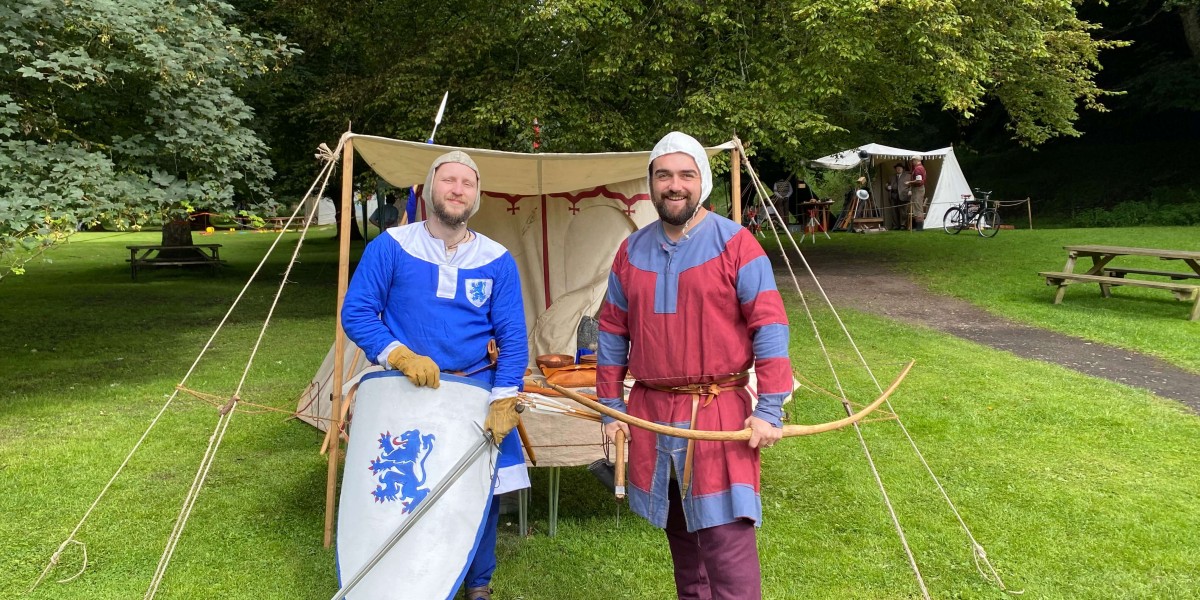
pixel 404 440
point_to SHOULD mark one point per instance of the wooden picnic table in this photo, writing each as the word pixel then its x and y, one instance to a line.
pixel 1108 276
pixel 187 256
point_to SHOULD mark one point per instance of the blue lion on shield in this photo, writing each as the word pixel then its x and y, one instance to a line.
pixel 396 468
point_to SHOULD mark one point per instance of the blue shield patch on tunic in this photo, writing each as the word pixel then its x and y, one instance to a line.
pixel 478 291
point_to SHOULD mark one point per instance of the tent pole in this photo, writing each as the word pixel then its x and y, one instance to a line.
pixel 339 339
pixel 735 176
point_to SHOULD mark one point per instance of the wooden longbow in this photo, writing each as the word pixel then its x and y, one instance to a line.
pixel 740 435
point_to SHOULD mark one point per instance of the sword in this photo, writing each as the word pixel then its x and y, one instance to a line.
pixel 485 441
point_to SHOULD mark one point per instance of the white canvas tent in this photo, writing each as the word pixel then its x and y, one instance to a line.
pixel 562 216
pixel 326 211
pixel 945 188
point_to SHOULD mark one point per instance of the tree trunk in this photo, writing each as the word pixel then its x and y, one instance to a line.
pixel 355 232
pixel 1190 15
pixel 178 233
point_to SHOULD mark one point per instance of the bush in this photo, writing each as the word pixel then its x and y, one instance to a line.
pixel 1133 213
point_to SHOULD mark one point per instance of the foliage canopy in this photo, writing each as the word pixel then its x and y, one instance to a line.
pixel 124 110
pixel 794 76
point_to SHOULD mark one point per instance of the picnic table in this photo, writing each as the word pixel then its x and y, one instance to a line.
pixel 1107 277
pixel 179 256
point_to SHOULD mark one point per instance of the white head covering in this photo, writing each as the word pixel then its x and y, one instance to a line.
pixel 681 142
pixel 916 157
pixel 457 156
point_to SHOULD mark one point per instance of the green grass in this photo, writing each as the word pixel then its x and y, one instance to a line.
pixel 1001 275
pixel 1077 487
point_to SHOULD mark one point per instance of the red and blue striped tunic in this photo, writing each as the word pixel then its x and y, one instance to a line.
pixel 694 311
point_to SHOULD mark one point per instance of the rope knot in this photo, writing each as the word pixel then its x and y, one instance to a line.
pixel 324 154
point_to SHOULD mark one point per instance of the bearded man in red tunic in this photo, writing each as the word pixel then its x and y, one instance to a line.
pixel 691 307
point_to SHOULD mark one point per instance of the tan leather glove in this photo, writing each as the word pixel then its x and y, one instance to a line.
pixel 421 370
pixel 501 418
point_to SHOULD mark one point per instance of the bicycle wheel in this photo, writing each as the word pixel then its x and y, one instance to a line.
pixel 988 224
pixel 953 221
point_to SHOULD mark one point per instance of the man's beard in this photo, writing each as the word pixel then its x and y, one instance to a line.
pixel 443 215
pixel 679 219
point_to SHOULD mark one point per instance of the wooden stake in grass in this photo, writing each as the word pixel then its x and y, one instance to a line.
pixel 619 477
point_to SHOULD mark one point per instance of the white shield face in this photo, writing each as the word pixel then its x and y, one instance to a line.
pixel 403 441
pixel 478 290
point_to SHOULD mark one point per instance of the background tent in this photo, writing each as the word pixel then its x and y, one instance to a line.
pixel 326 211
pixel 945 188
pixel 562 216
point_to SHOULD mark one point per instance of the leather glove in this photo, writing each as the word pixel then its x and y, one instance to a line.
pixel 501 418
pixel 421 370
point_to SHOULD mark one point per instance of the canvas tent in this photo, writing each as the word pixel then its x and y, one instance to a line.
pixel 562 216
pixel 945 188
pixel 326 211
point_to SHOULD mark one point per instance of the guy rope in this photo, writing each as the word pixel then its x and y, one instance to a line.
pixel 225 413
pixel 231 403
pixel 982 565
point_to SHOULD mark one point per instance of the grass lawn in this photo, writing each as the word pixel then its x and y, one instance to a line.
pixel 1000 275
pixel 1077 487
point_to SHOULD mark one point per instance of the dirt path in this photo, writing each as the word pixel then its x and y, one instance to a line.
pixel 895 296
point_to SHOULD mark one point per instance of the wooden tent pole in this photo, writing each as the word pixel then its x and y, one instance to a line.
pixel 339 339
pixel 735 175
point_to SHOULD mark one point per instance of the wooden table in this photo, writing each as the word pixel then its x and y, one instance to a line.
pixel 1108 277
pixel 187 256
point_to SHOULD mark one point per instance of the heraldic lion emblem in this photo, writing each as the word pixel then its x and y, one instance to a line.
pixel 396 467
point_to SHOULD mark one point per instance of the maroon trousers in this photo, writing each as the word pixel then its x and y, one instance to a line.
pixel 716 563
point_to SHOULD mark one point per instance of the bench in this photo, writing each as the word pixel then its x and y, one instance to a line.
pixel 203 255
pixel 1182 291
pixel 1174 275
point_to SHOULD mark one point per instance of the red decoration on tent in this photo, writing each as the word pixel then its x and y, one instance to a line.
pixel 512 204
pixel 629 202
pixel 596 192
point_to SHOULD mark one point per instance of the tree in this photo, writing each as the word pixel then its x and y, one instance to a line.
pixel 124 111
pixel 795 77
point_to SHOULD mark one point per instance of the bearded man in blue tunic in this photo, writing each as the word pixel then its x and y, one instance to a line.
pixel 428 298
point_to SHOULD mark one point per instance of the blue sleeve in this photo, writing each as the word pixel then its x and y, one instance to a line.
pixel 508 323
pixel 368 295
pixel 770 408
pixel 612 360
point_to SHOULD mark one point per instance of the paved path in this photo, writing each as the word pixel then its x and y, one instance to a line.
pixel 897 297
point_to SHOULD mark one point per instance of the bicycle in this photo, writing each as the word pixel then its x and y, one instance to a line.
pixel 973 213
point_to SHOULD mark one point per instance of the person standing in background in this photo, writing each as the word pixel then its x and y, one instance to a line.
pixel 916 190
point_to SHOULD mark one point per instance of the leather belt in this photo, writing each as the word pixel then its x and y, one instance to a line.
pixel 708 392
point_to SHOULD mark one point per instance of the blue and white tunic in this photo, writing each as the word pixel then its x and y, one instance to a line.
pixel 406 291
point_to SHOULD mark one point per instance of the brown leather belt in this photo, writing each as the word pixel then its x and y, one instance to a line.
pixel 708 391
